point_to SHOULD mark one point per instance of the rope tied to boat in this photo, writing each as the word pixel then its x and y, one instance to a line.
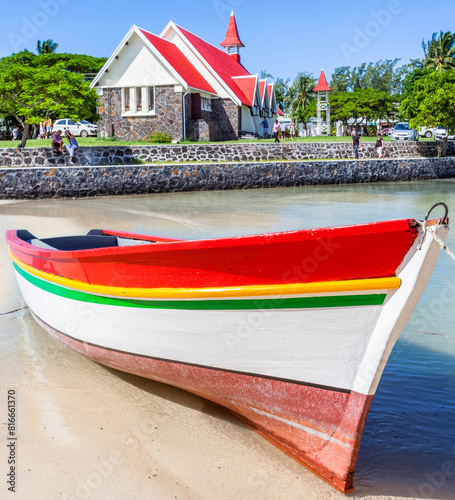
pixel 427 228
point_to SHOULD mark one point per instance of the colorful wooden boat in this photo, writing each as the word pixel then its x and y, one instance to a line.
pixel 289 330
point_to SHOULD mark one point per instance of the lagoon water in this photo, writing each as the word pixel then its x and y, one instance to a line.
pixel 89 432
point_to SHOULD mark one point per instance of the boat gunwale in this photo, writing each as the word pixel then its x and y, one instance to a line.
pixel 293 236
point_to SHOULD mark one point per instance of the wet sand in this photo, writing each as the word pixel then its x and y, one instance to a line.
pixel 89 432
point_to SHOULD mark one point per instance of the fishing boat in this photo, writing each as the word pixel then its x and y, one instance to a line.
pixel 290 330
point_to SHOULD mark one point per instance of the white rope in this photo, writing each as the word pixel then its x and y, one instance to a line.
pixel 436 238
pixel 443 245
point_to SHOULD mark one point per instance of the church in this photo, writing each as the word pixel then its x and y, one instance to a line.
pixel 182 85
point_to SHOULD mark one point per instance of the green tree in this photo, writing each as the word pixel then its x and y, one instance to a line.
pixel 47 47
pixel 281 90
pixel 341 79
pixel 411 78
pixel 432 103
pixel 309 112
pixel 265 74
pixel 300 94
pixel 361 105
pixel 76 63
pixel 30 91
pixel 382 75
pixel 440 51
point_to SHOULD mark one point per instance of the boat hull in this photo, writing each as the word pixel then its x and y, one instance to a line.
pixel 319 427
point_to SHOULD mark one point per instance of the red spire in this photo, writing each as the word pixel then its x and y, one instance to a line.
pixel 322 84
pixel 232 34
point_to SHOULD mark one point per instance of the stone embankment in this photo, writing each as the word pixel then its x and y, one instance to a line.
pixel 225 152
pixel 78 181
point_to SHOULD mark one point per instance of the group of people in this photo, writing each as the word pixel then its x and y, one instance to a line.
pixel 57 143
pixel 57 140
pixel 356 144
pixel 45 129
pixel 278 130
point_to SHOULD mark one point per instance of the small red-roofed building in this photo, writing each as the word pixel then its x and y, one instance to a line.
pixel 323 106
pixel 180 84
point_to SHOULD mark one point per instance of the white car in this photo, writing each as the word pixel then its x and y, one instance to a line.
pixel 426 132
pixel 82 128
pixel 440 133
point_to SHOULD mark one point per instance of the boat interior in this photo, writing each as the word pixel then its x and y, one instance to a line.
pixel 95 238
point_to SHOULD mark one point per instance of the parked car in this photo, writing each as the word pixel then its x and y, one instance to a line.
pixel 426 132
pixel 386 131
pixel 441 132
pixel 402 132
pixel 82 128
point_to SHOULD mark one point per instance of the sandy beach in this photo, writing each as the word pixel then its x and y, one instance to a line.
pixel 89 432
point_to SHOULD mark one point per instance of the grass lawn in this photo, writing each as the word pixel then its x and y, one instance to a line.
pixel 95 141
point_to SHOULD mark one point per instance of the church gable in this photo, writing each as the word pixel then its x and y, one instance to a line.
pixel 136 64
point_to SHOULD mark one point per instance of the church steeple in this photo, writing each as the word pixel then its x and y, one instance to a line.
pixel 232 39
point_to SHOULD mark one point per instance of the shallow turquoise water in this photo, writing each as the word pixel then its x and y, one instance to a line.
pixel 409 439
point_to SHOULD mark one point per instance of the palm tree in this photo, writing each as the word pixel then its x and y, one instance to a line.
pixel 47 47
pixel 302 93
pixel 440 51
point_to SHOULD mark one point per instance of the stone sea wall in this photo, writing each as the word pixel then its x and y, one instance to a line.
pixel 77 181
pixel 224 152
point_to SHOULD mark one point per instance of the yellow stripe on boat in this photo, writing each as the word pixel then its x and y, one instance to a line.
pixel 391 283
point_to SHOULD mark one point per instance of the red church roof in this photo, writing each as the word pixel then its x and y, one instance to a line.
pixel 262 88
pixel 179 62
pixel 232 34
pixel 269 88
pixel 222 63
pixel 247 84
pixel 322 84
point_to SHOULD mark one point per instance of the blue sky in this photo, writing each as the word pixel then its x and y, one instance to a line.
pixel 280 37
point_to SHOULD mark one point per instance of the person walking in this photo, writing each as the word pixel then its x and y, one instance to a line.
pixel 379 146
pixel 283 130
pixel 292 129
pixel 42 130
pixel 15 133
pixel 355 144
pixel 72 145
pixel 265 128
pixel 276 130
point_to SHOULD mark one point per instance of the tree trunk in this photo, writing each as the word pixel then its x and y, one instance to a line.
pixel 24 135
pixel 442 147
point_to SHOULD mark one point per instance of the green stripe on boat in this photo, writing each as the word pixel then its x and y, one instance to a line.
pixel 208 304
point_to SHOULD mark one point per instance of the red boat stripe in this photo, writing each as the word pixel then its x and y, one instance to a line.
pixel 329 254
